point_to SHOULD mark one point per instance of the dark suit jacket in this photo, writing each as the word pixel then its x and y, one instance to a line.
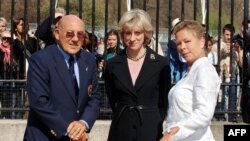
pixel 52 100
pixel 138 111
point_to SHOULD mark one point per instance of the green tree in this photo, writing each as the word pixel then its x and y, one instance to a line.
pixel 86 10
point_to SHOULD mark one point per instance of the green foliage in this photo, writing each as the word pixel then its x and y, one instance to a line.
pixel 44 9
pixel 214 22
pixel 87 10
pixel 113 11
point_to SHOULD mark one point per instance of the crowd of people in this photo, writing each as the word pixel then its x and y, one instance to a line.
pixel 147 90
pixel 16 47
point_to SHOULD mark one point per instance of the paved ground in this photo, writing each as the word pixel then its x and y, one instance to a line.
pixel 13 130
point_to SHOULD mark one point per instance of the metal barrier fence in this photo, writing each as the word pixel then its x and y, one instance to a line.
pixel 14 102
pixel 13 99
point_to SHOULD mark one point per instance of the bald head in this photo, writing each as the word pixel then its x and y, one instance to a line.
pixel 70 33
pixel 70 19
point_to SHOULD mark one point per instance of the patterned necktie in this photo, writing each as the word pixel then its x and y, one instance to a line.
pixel 71 70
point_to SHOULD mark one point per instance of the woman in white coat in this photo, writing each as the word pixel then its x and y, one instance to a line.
pixel 193 99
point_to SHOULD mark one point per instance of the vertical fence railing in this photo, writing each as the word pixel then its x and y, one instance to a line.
pixel 80 9
pixel 93 21
pixel 157 24
pixel 106 21
pixel 38 20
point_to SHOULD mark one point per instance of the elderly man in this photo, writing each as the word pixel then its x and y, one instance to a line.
pixel 62 87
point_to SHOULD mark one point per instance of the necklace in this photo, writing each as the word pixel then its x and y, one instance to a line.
pixel 134 58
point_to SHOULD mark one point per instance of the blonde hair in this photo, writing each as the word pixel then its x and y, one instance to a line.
pixel 195 27
pixel 136 18
pixel 3 20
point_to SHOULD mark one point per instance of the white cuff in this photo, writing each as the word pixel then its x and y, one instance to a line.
pixel 85 123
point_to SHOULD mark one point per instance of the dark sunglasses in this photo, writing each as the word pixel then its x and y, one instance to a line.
pixel 71 34
pixel 6 38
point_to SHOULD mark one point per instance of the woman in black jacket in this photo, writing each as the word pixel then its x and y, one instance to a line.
pixel 137 81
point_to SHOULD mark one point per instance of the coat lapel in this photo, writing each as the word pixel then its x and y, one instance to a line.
pixel 122 72
pixel 62 71
pixel 83 74
pixel 147 69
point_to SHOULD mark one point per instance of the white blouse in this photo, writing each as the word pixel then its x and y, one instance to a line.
pixel 192 103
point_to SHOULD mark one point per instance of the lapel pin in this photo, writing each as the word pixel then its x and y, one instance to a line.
pixel 90 90
pixel 152 56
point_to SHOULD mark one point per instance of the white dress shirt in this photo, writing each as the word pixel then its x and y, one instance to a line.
pixel 192 103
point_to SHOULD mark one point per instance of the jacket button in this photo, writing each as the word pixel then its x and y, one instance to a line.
pixel 77 111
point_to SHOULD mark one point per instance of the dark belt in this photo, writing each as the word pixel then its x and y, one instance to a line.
pixel 137 108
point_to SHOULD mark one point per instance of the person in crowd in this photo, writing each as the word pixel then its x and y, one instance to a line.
pixel 7 71
pixel 243 97
pixel 238 40
pixel 23 46
pixel 225 42
pixel 177 64
pixel 211 54
pixel 45 31
pixel 90 43
pixel 100 47
pixel 193 99
pixel 86 41
pixel 229 73
pixel 238 45
pixel 137 81
pixel 152 45
pixel 7 67
pixel 3 25
pixel 100 61
pixel 241 34
pixel 112 41
pixel 62 87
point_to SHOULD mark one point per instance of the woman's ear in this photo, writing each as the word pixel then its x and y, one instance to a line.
pixel 202 42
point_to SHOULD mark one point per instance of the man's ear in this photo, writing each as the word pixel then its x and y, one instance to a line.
pixel 56 34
